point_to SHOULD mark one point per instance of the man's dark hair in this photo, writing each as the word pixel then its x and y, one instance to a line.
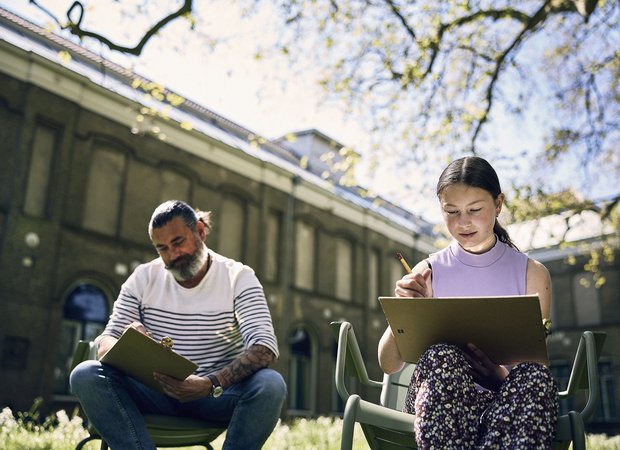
pixel 167 211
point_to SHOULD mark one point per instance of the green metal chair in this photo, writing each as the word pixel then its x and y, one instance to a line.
pixel 165 431
pixel 386 427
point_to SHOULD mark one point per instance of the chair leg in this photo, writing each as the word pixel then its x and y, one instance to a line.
pixel 348 422
pixel 577 430
pixel 83 442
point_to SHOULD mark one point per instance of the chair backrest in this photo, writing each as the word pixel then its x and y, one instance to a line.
pixel 584 374
pixel 349 360
pixel 395 387
pixel 84 350
pixel 578 378
pixel 384 428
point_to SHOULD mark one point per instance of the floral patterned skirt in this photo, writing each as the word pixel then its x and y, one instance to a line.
pixel 452 412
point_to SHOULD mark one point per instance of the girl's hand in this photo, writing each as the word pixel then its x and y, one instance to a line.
pixel 414 285
pixel 484 371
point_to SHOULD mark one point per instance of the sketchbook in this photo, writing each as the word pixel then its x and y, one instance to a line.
pixel 139 356
pixel 508 329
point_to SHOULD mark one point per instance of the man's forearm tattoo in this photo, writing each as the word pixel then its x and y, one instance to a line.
pixel 253 359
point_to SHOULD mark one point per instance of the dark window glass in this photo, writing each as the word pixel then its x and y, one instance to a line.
pixel 87 303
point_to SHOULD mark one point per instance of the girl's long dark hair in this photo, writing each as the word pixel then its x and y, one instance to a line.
pixel 475 172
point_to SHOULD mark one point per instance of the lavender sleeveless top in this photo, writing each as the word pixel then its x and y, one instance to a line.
pixel 457 273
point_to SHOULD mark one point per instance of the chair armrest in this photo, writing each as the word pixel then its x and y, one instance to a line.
pixel 84 350
pixel 381 416
pixel 349 357
pixel 585 371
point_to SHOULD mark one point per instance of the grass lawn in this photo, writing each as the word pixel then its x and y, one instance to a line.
pixel 61 432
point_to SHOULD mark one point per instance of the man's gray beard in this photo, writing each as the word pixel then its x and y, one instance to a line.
pixel 198 260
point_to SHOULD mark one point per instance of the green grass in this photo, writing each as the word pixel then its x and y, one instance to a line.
pixel 27 431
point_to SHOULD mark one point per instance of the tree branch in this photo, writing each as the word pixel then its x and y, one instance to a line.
pixel 401 18
pixel 494 14
pixel 45 11
pixel 75 28
pixel 529 26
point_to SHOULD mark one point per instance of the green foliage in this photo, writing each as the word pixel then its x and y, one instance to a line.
pixel 599 247
pixel 59 432
pixel 528 203
pixel 431 80
pixel 28 432
pixel 602 442
pixel 322 433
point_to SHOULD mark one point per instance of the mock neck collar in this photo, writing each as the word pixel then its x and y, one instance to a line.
pixel 478 260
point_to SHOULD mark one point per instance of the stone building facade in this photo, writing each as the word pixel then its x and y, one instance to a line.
pixel 80 180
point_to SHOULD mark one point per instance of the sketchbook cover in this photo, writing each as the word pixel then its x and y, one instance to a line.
pixel 508 329
pixel 139 356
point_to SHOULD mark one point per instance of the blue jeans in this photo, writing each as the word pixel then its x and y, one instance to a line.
pixel 114 404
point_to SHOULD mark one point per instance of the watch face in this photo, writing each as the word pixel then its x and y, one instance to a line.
pixel 217 391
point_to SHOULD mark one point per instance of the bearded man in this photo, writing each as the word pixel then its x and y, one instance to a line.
pixel 215 311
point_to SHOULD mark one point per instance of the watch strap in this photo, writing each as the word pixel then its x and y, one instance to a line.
pixel 214 382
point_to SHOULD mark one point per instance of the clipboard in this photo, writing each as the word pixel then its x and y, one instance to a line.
pixel 139 356
pixel 508 329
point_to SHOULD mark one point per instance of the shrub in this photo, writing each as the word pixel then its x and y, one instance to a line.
pixel 28 432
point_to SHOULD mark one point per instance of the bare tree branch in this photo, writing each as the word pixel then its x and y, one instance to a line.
pixel 494 14
pixel 75 28
pixel 402 19
pixel 529 26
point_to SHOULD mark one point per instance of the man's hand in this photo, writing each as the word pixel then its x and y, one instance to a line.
pixel 141 328
pixel 484 371
pixel 191 388
pixel 253 359
pixel 104 343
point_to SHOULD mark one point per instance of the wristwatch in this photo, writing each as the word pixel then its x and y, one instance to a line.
pixel 216 387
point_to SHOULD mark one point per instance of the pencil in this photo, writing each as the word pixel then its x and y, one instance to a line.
pixel 399 256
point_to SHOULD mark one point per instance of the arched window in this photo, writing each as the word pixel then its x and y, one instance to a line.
pixel 86 312
pixel 300 373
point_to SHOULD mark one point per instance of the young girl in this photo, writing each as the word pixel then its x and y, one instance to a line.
pixel 461 399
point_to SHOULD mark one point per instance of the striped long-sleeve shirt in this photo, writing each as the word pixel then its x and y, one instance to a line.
pixel 211 324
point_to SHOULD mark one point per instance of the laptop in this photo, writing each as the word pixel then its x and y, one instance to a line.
pixel 508 329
